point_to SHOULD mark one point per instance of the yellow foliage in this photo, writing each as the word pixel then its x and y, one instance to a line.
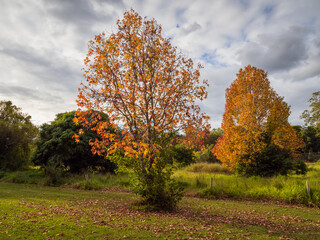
pixel 255 116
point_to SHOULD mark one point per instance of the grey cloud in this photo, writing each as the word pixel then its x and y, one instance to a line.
pixel 46 68
pixel 274 53
pixel 118 3
pixel 25 54
pixel 41 105
pixel 30 94
pixel 309 70
pixel 69 78
pixel 81 13
pixel 19 91
pixel 43 43
pixel 191 28
pixel 219 80
pixel 73 11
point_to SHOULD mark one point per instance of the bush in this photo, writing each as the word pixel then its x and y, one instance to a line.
pixel 158 190
pixel 272 161
pixel 183 155
pixel 206 155
pixel 54 173
pixel 300 167
pixel 156 187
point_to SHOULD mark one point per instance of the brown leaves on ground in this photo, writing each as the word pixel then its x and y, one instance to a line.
pixel 191 221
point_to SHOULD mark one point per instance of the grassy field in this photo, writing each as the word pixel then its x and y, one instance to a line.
pixel 289 189
pixel 38 212
pixel 196 180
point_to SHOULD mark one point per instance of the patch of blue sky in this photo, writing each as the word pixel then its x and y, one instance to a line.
pixel 213 60
pixel 228 41
pixel 268 11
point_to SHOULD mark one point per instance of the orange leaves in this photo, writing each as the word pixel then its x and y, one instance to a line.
pixel 145 85
pixel 255 117
pixel 76 138
pixel 76 121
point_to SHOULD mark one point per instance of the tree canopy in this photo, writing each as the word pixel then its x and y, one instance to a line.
pixel 57 147
pixel 312 116
pixel 16 136
pixel 146 86
pixel 255 118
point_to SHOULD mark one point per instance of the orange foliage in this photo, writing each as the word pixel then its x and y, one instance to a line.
pixel 145 86
pixel 255 116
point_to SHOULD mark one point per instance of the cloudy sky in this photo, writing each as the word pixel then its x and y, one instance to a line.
pixel 43 44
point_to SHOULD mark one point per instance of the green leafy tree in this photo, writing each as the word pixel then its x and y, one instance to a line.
pixel 183 155
pixel 312 117
pixel 311 138
pixel 57 148
pixel 17 134
pixel 214 135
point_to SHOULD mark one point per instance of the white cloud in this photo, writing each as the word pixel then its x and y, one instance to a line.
pixel 43 43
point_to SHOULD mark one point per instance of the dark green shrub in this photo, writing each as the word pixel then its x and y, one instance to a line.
pixel 200 184
pixel 300 167
pixel 158 190
pixel 211 193
pixel 54 173
pixel 156 187
pixel 183 155
pixel 272 161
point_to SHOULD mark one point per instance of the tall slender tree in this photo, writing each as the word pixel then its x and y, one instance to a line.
pixel 255 118
pixel 150 89
pixel 312 116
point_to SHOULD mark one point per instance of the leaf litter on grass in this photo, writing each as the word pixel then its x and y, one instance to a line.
pixel 114 217
pixel 186 222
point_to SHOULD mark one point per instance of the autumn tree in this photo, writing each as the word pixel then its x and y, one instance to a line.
pixel 148 89
pixel 257 137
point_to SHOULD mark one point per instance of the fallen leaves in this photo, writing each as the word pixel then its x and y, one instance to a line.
pixel 195 219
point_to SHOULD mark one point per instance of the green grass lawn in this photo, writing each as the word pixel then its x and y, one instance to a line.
pixel 37 212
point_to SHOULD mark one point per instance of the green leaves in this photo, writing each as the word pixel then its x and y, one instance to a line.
pixel 56 147
pixel 312 117
pixel 17 134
